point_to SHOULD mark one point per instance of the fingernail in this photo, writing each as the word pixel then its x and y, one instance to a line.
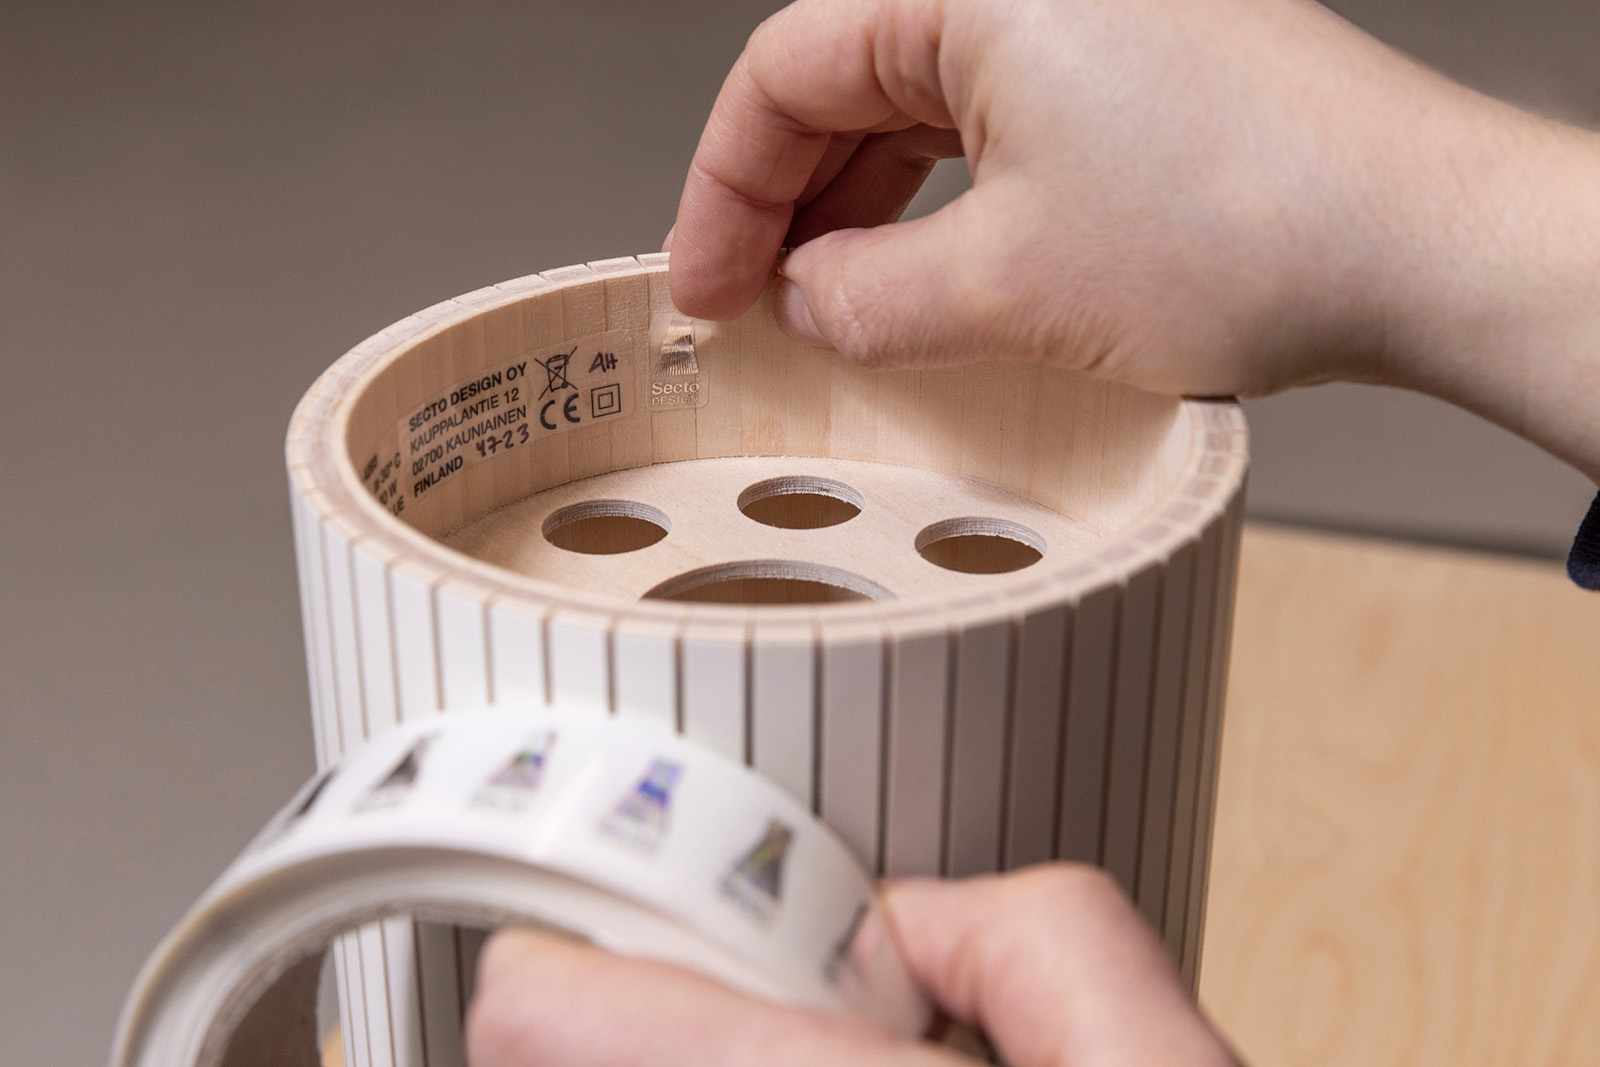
pixel 794 315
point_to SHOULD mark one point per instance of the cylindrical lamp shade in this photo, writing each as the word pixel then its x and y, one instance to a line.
pixel 975 617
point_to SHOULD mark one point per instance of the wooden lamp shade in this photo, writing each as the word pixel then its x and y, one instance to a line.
pixel 976 617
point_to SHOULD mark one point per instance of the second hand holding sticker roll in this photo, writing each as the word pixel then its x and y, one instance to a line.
pixel 642 843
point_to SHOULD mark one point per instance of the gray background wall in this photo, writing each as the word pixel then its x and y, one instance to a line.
pixel 202 205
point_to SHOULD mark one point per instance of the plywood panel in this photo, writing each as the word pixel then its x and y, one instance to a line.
pixel 1407 851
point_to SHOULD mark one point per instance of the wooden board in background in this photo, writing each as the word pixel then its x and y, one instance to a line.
pixel 1406 869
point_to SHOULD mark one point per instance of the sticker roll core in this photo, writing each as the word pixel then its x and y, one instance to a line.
pixel 641 843
pixel 972 617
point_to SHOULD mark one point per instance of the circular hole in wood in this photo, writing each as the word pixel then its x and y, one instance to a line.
pixel 799 502
pixel 606 527
pixel 978 545
pixel 769 581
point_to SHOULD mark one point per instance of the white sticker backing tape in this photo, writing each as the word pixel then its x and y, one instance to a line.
pixel 642 843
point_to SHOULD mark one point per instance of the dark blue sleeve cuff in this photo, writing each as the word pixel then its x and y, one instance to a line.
pixel 1584 563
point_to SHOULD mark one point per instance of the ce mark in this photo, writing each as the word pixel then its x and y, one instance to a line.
pixel 569 411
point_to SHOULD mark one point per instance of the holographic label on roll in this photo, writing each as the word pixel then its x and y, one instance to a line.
pixel 756 882
pixel 394 786
pixel 642 818
pixel 514 786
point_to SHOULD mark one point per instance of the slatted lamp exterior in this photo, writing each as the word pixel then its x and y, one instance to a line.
pixel 975 617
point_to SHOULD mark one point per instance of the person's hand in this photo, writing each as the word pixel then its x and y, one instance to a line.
pixel 1052 962
pixel 1210 197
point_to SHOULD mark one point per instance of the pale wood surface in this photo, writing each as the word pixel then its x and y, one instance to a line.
pixel 699 498
pixel 1406 867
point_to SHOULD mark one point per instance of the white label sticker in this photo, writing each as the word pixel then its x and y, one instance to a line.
pixel 500 409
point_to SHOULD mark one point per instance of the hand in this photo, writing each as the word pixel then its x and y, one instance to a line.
pixel 1052 962
pixel 1211 197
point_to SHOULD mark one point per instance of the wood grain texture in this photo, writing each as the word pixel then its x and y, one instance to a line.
pixel 1406 868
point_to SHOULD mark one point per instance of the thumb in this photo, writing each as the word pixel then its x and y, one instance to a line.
pixel 1056 967
pixel 903 294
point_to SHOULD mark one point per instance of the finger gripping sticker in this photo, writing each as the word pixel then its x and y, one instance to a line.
pixel 640 843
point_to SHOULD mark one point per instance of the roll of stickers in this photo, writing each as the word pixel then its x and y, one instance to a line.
pixel 640 842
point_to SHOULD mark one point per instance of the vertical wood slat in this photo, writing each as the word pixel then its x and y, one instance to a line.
pixel 398 999
pixel 325 714
pixel 1036 730
pixel 852 720
pixel 347 975
pixel 421 988
pixel 1130 727
pixel 1211 741
pixel 416 650
pixel 368 940
pixel 341 602
pixel 469 946
pixel 580 660
pixel 324 699
pixel 1161 751
pixel 405 1004
pixel 712 666
pixel 1197 667
pixel 310 599
pixel 517 636
pixel 378 686
pixel 365 973
pixel 645 674
pixel 463 645
pixel 979 721
pixel 1087 727
pixel 465 673
pixel 439 993
pixel 915 763
pixel 783 735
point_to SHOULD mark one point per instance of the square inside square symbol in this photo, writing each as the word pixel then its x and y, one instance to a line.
pixel 605 400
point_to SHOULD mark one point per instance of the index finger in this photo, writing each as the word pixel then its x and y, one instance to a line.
pixel 816 68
